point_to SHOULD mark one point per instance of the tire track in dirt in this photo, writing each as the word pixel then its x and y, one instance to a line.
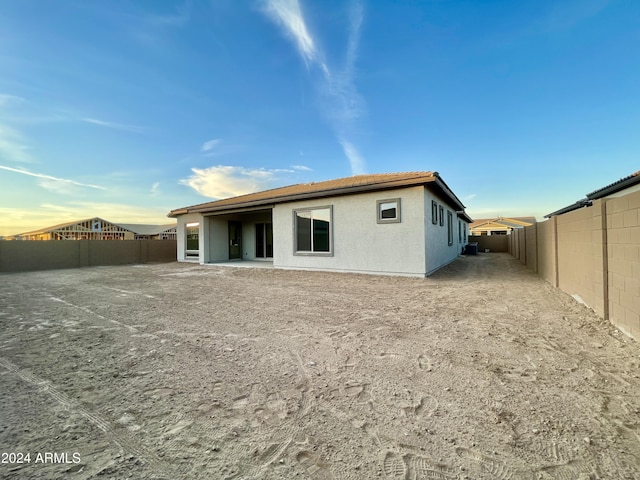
pixel 125 442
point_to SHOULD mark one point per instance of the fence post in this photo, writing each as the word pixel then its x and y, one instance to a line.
pixel 556 265
pixel 605 258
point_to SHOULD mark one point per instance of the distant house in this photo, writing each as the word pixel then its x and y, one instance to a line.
pixel 500 225
pixel 397 223
pixel 624 186
pixel 99 229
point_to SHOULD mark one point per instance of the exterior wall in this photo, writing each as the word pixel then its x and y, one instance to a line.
pixel 623 259
pixel 359 243
pixel 531 248
pixel 580 255
pixel 181 231
pixel 31 255
pixel 438 252
pixel 495 243
pixel 522 246
pixel 547 255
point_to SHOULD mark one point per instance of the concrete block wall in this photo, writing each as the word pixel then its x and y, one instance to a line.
pixel 31 255
pixel 495 243
pixel 580 256
pixel 623 259
pixel 547 251
pixel 531 247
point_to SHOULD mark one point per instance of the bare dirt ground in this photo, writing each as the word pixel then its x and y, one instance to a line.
pixel 482 371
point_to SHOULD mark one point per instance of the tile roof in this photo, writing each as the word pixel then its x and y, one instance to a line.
pixel 329 188
pixel 616 186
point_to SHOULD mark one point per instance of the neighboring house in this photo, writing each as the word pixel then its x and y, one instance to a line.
pixel 151 232
pixel 500 225
pixel 621 187
pixel 397 223
pixel 99 229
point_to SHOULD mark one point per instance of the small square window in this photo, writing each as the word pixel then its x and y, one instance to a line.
pixel 388 210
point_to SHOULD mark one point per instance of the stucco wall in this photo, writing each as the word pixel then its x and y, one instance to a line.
pixel 31 255
pixel 181 226
pixel 547 252
pixel 438 252
pixel 359 243
pixel 623 239
pixel 580 255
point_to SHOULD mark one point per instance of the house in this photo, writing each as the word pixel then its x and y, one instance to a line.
pixel 500 225
pixel 97 228
pixel 624 186
pixel 397 223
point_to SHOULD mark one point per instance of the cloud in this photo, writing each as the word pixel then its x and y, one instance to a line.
pixel 302 168
pixel 355 159
pixel 210 145
pixel 288 14
pixel 12 147
pixel 155 189
pixel 60 185
pixel 225 181
pixel 470 197
pixel 341 103
pixel 6 99
pixel 115 126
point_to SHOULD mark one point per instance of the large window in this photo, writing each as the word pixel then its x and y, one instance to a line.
pixel 388 210
pixel 312 230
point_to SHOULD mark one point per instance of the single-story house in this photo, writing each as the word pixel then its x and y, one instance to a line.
pixel 500 225
pixel 397 223
pixel 624 186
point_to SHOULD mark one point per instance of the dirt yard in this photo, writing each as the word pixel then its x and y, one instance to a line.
pixel 165 371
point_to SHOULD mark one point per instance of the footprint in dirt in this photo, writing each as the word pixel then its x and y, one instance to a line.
pixel 315 468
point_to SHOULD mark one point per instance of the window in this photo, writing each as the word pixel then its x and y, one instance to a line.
pixel 264 240
pixel 450 227
pixel 459 231
pixel 388 210
pixel 434 212
pixel 192 236
pixel 312 230
pixel 441 215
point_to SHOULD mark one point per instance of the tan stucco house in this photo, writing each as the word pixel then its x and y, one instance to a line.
pixel 397 223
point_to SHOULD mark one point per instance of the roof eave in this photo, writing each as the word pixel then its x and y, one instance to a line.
pixel 615 187
pixel 334 192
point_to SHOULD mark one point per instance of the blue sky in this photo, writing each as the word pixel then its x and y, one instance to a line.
pixel 128 109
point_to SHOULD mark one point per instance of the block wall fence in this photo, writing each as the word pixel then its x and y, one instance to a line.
pixel 30 255
pixel 593 254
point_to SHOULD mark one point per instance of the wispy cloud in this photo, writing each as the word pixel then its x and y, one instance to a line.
pixel 114 125
pixel 223 181
pixel 12 146
pixel 155 189
pixel 302 168
pixel 210 145
pixel 6 99
pixel 50 182
pixel 342 105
